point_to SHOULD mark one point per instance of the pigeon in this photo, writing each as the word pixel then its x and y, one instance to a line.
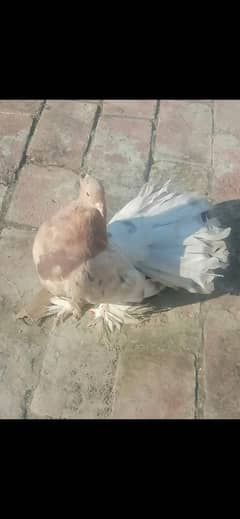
pixel 160 239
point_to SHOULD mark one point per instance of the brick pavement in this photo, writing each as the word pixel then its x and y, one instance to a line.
pixel 183 363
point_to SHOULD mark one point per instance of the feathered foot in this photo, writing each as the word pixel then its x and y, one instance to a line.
pixel 62 308
pixel 113 316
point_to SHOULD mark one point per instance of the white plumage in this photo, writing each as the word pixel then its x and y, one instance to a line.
pixel 171 238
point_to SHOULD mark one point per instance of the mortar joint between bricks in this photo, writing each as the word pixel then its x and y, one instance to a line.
pixel 154 125
pixel 211 169
pixel 12 185
pixel 92 133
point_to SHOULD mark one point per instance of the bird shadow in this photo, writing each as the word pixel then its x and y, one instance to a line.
pixel 228 214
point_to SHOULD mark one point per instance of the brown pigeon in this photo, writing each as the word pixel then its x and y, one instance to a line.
pixel 76 262
pixel 160 239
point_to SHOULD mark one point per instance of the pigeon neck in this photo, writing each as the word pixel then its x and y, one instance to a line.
pixel 99 205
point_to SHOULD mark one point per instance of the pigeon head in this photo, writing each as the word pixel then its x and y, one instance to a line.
pixel 92 194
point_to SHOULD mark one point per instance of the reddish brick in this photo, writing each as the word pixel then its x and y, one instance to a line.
pixel 226 150
pixel 222 357
pixel 183 176
pixel 21 346
pixel 227 114
pixel 227 186
pixel 156 361
pixel 77 375
pixel 177 329
pixel 62 134
pixel 40 192
pixel 135 108
pixel 184 131
pixel 208 102
pixel 20 106
pixel 155 386
pixel 89 101
pixel 14 130
pixel 119 156
pixel 17 272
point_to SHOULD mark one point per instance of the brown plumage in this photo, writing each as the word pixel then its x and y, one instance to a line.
pixel 69 239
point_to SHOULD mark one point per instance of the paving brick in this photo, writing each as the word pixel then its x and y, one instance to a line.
pixel 62 133
pixel 96 101
pixel 119 156
pixel 17 276
pixel 227 113
pixel 184 131
pixel 77 376
pixel 78 371
pixel 162 347
pixel 14 130
pixel 138 108
pixel 21 346
pixel 40 192
pixel 226 154
pixel 222 357
pixel 184 176
pixel 20 106
pixel 208 102
pixel 156 386
pixel 175 326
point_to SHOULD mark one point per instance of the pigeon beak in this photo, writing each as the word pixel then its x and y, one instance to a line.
pixel 100 208
pixel 83 173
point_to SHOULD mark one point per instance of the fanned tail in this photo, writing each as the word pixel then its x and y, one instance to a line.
pixel 174 240
pixel 154 200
